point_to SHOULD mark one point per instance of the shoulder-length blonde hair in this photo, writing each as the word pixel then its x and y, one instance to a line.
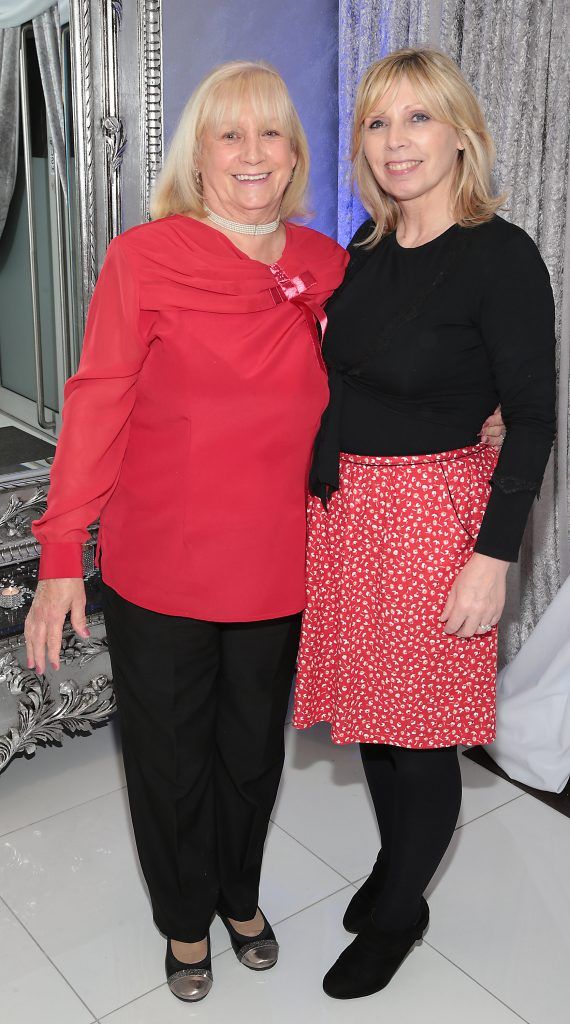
pixel 442 89
pixel 221 95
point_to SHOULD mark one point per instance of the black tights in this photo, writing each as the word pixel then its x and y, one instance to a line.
pixel 416 796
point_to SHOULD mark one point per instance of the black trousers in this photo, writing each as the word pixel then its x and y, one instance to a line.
pixel 202 707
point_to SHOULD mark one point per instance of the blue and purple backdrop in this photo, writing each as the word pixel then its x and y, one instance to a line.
pixel 300 37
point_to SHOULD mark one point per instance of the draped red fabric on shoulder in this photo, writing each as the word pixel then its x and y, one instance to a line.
pixel 189 425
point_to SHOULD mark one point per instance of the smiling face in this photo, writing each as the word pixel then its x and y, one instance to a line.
pixel 245 166
pixel 412 155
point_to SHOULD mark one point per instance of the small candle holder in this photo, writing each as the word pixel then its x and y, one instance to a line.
pixel 13 596
pixel 10 596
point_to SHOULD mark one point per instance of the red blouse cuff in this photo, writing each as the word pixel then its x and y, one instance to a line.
pixel 61 561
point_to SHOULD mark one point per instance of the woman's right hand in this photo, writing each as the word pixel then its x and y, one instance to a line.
pixel 46 617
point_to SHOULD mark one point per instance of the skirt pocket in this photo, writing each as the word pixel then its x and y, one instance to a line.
pixel 467 483
pixel 462 508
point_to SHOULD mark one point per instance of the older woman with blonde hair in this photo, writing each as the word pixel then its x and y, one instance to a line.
pixel 189 428
pixel 445 310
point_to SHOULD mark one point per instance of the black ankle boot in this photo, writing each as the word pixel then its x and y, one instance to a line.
pixel 372 959
pixel 258 952
pixel 189 982
pixel 360 907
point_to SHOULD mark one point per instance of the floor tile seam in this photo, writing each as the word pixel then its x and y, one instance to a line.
pixel 491 810
pixel 48 958
pixel 315 903
pixel 476 981
pixel 308 849
pixel 135 999
pixel 64 810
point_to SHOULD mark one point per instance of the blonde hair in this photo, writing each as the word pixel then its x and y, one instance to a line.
pixel 220 95
pixel 441 87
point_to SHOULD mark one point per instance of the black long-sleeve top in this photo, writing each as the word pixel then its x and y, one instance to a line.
pixel 424 343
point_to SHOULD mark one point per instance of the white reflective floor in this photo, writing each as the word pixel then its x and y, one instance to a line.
pixel 77 943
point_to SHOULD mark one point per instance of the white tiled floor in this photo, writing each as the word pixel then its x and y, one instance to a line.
pixel 77 943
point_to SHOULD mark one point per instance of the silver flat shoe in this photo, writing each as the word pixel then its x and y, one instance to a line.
pixel 189 982
pixel 258 952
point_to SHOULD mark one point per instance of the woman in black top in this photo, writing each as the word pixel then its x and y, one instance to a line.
pixel 446 309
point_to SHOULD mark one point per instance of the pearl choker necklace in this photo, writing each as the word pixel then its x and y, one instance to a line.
pixel 242 229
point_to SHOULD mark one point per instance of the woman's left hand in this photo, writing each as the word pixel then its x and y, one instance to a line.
pixel 477 597
pixel 493 430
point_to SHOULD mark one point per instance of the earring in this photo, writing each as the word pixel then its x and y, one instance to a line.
pixel 292 175
pixel 197 176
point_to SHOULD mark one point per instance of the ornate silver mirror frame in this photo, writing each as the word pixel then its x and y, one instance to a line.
pixel 116 53
pixel 38 709
pixel 118 120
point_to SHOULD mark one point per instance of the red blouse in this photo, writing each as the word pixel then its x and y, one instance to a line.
pixel 189 425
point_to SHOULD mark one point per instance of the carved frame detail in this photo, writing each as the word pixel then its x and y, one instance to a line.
pixel 150 24
pixel 43 709
pixel 83 103
pixel 111 119
pixel 43 719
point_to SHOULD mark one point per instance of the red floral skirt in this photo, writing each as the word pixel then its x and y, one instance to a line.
pixel 374 660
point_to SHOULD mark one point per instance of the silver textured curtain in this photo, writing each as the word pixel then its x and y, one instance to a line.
pixel 515 54
pixel 9 116
pixel 16 12
pixel 368 30
pixel 47 37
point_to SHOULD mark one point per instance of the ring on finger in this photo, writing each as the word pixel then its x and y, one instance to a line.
pixel 484 627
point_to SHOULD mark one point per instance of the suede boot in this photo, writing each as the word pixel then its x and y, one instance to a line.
pixel 372 959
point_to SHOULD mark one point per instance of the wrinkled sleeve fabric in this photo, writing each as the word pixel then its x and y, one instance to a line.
pixel 98 401
pixel 517 326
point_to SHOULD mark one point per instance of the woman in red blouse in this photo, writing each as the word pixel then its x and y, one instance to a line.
pixel 188 429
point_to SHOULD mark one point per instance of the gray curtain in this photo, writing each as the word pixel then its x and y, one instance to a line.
pixel 516 56
pixel 16 12
pixel 47 38
pixel 368 30
pixel 9 115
